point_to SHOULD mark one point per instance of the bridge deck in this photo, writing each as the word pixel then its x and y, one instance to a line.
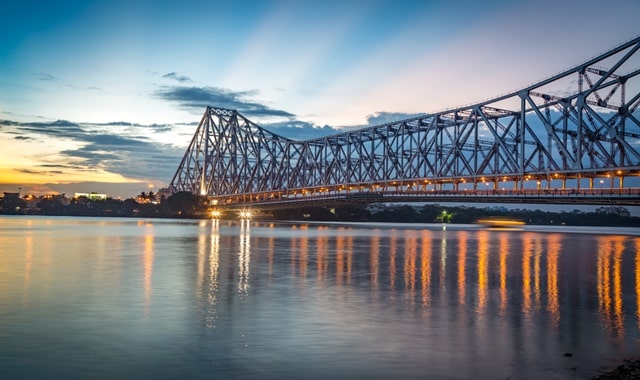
pixel 623 197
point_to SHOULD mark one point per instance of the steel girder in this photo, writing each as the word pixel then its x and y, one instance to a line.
pixel 580 123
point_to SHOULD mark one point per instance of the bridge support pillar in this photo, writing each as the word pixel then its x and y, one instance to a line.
pixel 591 183
pixel 564 184
pixel 621 182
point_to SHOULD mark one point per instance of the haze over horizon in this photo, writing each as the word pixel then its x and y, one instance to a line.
pixel 105 95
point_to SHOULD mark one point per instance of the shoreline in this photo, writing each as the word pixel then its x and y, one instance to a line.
pixel 628 370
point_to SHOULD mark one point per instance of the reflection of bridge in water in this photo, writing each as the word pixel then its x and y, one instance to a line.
pixel 572 138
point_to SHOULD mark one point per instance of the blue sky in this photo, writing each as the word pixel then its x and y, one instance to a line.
pixel 105 95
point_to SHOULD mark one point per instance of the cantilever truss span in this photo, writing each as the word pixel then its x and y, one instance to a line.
pixel 581 123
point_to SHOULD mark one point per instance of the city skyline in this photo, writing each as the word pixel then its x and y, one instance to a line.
pixel 105 96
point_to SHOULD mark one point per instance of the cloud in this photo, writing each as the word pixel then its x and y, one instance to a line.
pixel 299 130
pixel 302 130
pixel 46 76
pixel 131 156
pixel 117 147
pixel 60 128
pixel 86 132
pixel 177 77
pixel 40 172
pixel 201 97
pixel 379 118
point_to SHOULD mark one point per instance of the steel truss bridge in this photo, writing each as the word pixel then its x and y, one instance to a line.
pixel 572 138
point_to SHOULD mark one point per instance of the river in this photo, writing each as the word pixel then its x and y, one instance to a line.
pixel 107 298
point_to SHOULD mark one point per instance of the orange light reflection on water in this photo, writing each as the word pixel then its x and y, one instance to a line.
pixel 483 269
pixel 393 248
pixel 617 285
pixel 340 247
pixel 148 267
pixel 462 262
pixel 425 268
pixel 304 253
pixel 536 271
pixel 349 257
pixel 410 270
pixel 322 256
pixel 610 252
pixel 553 251
pixel 294 251
pixel 527 247
pixel 504 251
pixel 374 260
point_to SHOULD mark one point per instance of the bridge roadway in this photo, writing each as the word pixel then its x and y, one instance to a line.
pixel 291 199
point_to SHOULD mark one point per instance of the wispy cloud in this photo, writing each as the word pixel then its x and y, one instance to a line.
pixel 40 172
pixel 46 76
pixel 177 77
pixel 201 97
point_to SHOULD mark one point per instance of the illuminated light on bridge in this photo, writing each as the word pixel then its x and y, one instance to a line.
pixel 566 132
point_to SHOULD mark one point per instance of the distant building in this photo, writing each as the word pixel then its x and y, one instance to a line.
pixel 496 209
pixel 92 196
pixel 613 210
pixel 164 191
pixel 8 196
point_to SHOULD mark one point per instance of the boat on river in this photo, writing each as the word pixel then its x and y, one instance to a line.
pixel 500 222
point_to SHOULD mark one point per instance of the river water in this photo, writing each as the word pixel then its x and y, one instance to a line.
pixel 107 298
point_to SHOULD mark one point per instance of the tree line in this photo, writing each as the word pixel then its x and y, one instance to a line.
pixel 179 205
pixel 187 205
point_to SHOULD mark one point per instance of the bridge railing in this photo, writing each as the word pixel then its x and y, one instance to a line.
pixel 625 196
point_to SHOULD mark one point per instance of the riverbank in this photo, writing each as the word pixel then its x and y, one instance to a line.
pixel 434 213
pixel 186 205
pixel 629 370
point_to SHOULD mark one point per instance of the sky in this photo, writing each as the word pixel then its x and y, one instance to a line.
pixel 105 95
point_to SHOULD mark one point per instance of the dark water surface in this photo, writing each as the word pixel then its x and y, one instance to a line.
pixel 121 298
